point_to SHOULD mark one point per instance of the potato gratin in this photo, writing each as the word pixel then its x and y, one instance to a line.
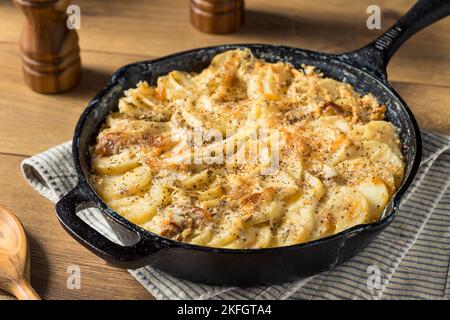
pixel 336 162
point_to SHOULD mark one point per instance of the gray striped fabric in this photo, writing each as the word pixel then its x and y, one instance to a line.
pixel 409 260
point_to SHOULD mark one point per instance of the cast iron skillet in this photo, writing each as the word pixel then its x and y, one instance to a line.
pixel 364 69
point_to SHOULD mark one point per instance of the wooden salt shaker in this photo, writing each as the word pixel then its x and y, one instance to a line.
pixel 217 16
pixel 49 50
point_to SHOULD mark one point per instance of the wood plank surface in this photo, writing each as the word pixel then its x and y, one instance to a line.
pixel 32 122
pixel 160 27
pixel 116 32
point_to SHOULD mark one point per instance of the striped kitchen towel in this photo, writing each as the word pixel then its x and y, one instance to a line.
pixel 408 260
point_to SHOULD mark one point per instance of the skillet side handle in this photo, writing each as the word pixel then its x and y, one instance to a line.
pixel 133 256
pixel 375 56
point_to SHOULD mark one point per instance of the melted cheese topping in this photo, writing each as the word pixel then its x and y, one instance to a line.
pixel 338 161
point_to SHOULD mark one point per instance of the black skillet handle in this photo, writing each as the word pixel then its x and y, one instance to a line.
pixel 375 56
pixel 124 256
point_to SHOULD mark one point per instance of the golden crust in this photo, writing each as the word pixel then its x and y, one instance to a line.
pixel 338 165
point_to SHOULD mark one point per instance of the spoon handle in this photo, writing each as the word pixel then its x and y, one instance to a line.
pixel 24 291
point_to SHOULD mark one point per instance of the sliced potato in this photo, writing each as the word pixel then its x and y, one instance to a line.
pixel 207 204
pixel 137 209
pixel 160 194
pixel 337 122
pixel 349 207
pixel 331 87
pixel 263 238
pixel 269 82
pixel 245 240
pixel 116 164
pixel 316 189
pixel 198 181
pixel 138 105
pixel 136 126
pixel 366 169
pixel 175 85
pixel 210 194
pixel 377 196
pixel 202 238
pixel 299 222
pixel 134 182
pixel 384 156
pixel 270 212
pixel 380 131
pixel 283 182
pixel 342 149
pixel 299 219
pixel 232 227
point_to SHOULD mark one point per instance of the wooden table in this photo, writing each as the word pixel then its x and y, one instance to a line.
pixel 115 33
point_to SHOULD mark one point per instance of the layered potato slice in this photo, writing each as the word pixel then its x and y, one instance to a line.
pixel 293 149
pixel 145 102
pixel 202 237
pixel 117 163
pixel 380 131
pixel 133 182
pixel 367 170
pixel 244 239
pixel 377 196
pixel 261 206
pixel 231 226
pixel 142 208
pixel 299 220
pixel 206 114
pixel 347 207
pixel 137 209
pixel 270 81
pixel 176 85
pixel 135 126
pixel 199 180
pixel 263 237
pixel 383 155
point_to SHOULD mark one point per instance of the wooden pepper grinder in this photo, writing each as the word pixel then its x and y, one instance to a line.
pixel 217 16
pixel 49 50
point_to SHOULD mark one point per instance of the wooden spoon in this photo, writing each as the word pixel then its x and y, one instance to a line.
pixel 14 257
